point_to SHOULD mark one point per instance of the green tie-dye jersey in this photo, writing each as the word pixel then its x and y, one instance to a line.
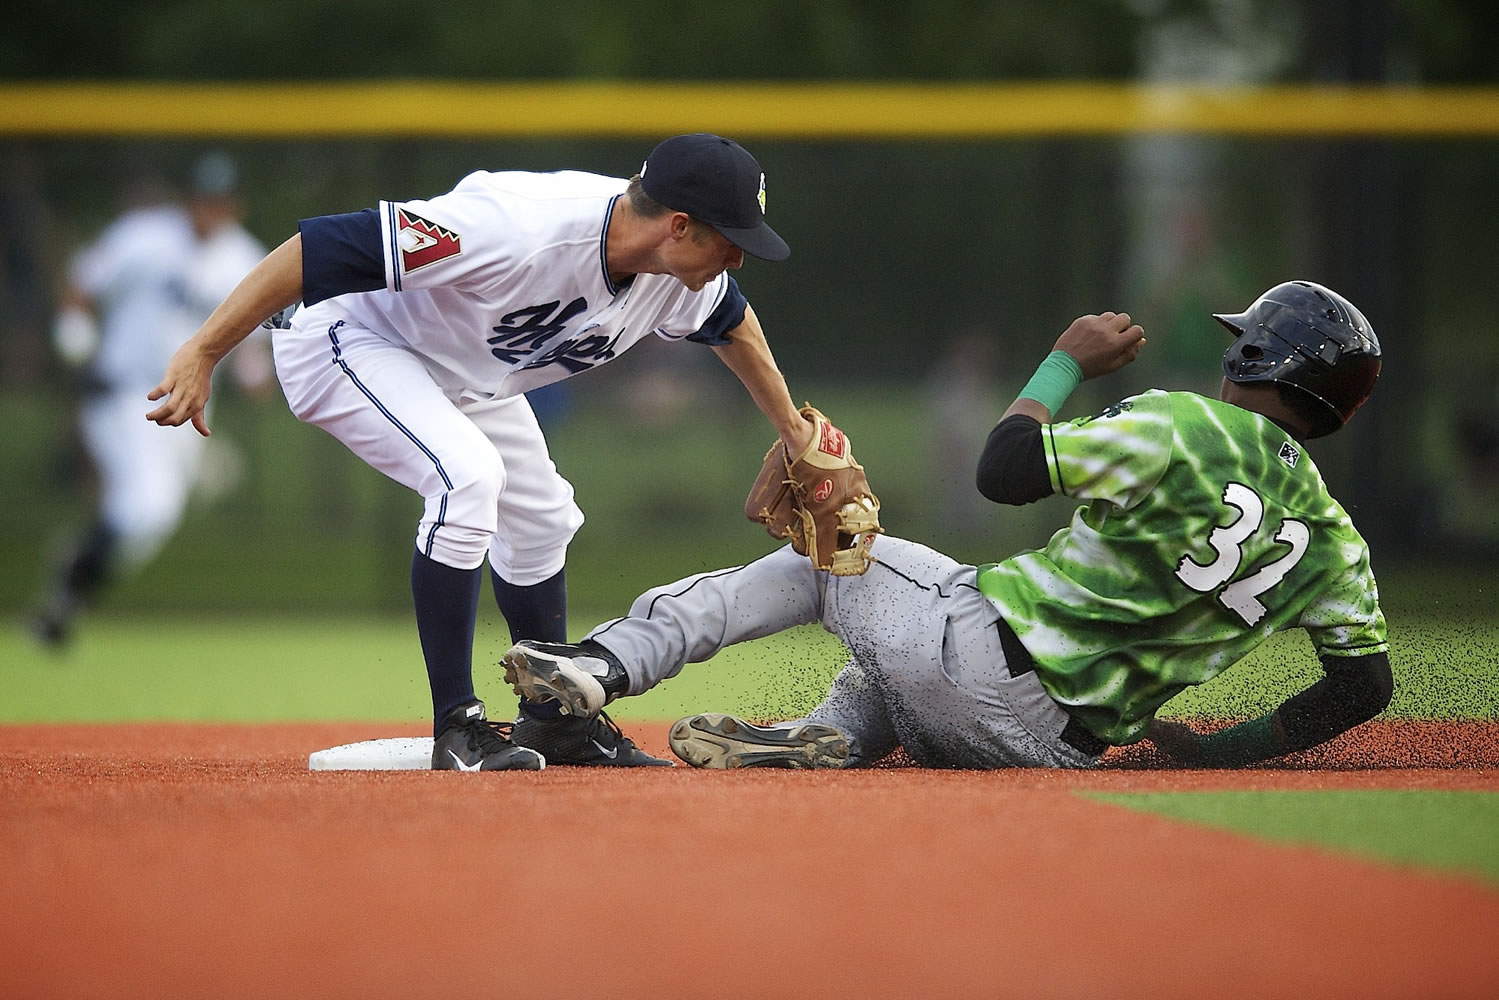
pixel 1208 528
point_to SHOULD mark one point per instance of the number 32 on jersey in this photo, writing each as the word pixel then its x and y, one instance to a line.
pixel 1242 596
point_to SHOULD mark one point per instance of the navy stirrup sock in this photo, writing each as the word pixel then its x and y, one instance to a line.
pixel 535 612
pixel 447 605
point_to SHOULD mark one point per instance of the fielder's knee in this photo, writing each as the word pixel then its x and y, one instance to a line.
pixel 459 523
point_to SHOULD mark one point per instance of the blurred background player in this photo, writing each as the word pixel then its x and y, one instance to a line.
pixel 132 297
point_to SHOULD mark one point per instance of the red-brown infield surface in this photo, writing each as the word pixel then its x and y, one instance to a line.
pixel 207 861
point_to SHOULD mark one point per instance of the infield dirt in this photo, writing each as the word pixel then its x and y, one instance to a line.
pixel 190 860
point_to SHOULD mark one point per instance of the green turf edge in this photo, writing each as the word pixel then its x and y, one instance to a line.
pixel 1448 831
pixel 270 667
pixel 315 668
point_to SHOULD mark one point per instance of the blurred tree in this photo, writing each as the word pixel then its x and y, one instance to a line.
pixel 1445 41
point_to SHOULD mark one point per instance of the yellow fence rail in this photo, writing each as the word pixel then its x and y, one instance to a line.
pixel 837 111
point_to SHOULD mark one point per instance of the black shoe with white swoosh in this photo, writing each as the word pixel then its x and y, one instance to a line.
pixel 581 742
pixel 470 742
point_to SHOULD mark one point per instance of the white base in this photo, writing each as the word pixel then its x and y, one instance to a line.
pixel 404 753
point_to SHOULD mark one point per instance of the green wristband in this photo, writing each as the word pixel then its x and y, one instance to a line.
pixel 1054 381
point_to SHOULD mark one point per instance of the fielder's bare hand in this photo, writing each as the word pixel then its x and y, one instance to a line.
pixel 1102 344
pixel 272 285
pixel 186 387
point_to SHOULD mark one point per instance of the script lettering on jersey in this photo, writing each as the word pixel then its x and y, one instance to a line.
pixel 579 353
pixel 524 332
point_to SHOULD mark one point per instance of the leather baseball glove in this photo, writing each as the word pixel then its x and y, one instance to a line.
pixel 820 500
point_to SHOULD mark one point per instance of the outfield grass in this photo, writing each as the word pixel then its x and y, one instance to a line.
pixel 315 668
pixel 288 668
pixel 1455 831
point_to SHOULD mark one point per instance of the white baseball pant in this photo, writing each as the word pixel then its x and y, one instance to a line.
pixel 481 465
pixel 145 474
pixel 926 672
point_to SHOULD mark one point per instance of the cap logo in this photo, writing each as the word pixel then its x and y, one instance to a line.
pixel 716 181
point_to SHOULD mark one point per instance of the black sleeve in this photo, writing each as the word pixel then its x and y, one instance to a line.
pixel 1355 690
pixel 341 253
pixel 728 314
pixel 1012 468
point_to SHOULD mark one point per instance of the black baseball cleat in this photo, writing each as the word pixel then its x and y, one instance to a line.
pixel 51 624
pixel 714 740
pixel 582 678
pixel 576 741
pixel 50 630
pixel 470 742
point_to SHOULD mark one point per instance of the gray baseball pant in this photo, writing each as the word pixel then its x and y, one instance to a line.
pixel 926 671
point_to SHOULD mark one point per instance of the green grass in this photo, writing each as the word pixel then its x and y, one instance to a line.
pixel 1456 831
pixel 270 667
pixel 1444 669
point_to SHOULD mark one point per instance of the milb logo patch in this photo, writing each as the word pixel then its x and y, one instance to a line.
pixel 423 242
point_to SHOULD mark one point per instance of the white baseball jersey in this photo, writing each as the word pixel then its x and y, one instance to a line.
pixel 153 283
pixel 218 263
pixel 501 284
pixel 428 320
pixel 133 276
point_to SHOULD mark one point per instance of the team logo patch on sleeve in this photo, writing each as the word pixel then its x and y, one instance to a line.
pixel 422 242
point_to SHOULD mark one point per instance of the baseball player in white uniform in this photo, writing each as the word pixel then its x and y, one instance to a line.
pixel 424 322
pixel 133 297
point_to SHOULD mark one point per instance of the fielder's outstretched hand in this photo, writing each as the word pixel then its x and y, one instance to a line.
pixel 1102 343
pixel 186 387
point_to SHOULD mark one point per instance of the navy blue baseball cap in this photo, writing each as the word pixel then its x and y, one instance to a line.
pixel 717 181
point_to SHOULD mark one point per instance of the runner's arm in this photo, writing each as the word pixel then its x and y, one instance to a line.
pixel 1354 690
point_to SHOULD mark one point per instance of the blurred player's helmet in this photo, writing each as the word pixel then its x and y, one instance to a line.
pixel 1302 335
pixel 214 175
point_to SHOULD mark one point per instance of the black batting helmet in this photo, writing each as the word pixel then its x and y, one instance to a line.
pixel 1303 335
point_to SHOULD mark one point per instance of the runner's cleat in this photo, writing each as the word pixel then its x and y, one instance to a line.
pixel 582 678
pixel 715 740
